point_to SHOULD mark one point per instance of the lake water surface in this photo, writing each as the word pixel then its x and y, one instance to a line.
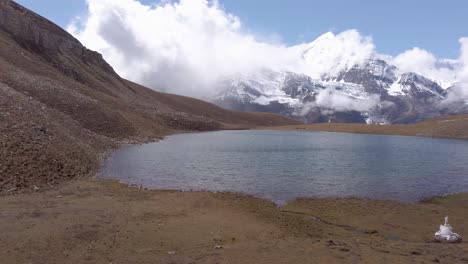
pixel 283 165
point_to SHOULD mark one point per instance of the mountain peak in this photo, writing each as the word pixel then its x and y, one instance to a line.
pixel 325 36
pixel 330 54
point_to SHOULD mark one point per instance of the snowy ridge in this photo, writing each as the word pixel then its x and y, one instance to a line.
pixel 328 54
pixel 372 91
pixel 261 87
pixel 345 83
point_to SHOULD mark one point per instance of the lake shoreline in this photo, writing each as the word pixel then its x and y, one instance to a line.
pixel 95 221
pixel 320 164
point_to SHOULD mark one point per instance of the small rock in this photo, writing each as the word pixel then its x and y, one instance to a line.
pixel 393 237
pixel 416 253
pixel 40 130
pixel 11 190
pixel 35 188
pixel 171 252
pixel 218 247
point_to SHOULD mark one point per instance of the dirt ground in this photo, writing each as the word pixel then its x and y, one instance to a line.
pixel 97 221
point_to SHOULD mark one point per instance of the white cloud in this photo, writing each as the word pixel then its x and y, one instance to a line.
pixel 183 47
pixel 415 59
pixel 459 92
pixel 333 100
pixel 425 63
pixel 187 46
pixel 464 61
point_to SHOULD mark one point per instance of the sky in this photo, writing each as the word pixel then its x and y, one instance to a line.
pixel 395 26
pixel 190 47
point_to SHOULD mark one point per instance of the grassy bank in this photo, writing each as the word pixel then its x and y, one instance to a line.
pixel 455 127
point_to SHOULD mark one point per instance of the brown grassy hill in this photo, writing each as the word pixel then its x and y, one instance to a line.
pixel 62 106
pixel 441 127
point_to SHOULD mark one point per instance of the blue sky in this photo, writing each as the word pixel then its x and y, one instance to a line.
pixel 395 25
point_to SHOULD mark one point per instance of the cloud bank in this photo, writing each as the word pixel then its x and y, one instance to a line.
pixel 333 100
pixel 464 61
pixel 183 47
pixel 425 63
pixel 187 46
pixel 459 92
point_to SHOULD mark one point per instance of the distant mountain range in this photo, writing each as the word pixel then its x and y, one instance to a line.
pixel 372 91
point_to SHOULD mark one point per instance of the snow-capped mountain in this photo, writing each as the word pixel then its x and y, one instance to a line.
pixel 348 86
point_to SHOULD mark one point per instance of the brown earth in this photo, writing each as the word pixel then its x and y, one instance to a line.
pixel 455 127
pixel 97 221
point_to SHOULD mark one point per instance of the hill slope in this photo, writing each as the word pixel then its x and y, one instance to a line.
pixel 62 106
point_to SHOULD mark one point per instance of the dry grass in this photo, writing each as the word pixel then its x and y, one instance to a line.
pixel 455 127
pixel 97 221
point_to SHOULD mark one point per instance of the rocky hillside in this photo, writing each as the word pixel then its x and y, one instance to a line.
pixel 63 106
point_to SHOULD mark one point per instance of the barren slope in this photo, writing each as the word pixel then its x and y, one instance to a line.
pixel 62 106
